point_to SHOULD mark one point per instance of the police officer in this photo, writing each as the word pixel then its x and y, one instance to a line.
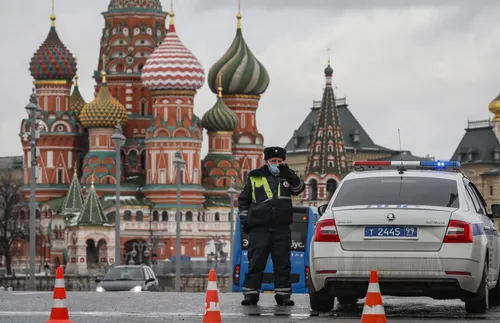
pixel 265 209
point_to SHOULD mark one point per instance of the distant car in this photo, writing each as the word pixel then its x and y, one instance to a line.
pixel 423 226
pixel 133 278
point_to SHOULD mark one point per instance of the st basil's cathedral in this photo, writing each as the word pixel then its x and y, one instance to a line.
pixel 146 83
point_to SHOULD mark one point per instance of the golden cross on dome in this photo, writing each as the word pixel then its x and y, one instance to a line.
pixel 53 16
pixel 238 16
pixel 329 54
pixel 103 72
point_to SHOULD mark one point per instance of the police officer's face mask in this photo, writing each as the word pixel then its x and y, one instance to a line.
pixel 273 168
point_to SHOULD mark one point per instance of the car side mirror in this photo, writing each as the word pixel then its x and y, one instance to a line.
pixel 322 209
pixel 98 280
pixel 150 280
pixel 495 209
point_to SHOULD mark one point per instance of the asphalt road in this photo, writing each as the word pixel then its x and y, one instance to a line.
pixel 33 307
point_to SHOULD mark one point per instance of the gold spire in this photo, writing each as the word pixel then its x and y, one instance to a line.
pixel 220 85
pixel 238 16
pixel 92 182
pixel 103 72
pixel 76 80
pixel 329 54
pixel 53 16
pixel 172 14
pixel 74 170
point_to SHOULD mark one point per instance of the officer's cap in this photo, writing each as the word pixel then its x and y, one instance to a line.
pixel 274 152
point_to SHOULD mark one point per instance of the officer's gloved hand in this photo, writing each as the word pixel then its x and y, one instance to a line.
pixel 285 171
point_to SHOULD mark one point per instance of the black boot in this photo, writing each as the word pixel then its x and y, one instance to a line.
pixel 284 300
pixel 251 299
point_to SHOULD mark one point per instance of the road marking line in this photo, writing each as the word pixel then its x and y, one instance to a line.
pixel 150 315
pixel 30 293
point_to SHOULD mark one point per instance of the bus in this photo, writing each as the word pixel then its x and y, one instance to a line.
pixel 304 219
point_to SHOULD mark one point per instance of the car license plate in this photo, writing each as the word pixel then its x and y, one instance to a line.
pixel 391 232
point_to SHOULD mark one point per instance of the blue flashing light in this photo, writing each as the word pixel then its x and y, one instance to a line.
pixel 440 164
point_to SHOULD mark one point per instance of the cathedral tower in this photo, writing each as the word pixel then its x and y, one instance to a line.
pixel 100 118
pixel 132 31
pixel 219 166
pixel 244 80
pixel 60 134
pixel 173 75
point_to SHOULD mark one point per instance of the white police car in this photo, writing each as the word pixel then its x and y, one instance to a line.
pixel 422 225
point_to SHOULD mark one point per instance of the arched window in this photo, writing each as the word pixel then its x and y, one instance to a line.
pixel 139 216
pixel 127 216
pixel 156 216
pixel 217 217
pixel 164 216
pixel 189 216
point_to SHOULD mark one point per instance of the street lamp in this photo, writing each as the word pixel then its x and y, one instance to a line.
pixel 232 193
pixel 34 112
pixel 179 164
pixel 119 140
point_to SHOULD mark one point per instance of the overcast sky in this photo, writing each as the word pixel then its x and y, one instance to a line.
pixel 423 66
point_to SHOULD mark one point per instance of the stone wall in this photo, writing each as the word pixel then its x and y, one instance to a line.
pixel 189 283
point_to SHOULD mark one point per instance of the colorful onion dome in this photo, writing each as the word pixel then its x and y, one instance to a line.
pixel 104 110
pixel 52 60
pixel 76 101
pixel 135 4
pixel 219 117
pixel 172 66
pixel 241 72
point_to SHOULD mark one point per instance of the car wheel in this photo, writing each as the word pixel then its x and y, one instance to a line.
pixel 320 301
pixel 479 304
pixel 347 300
pixel 495 294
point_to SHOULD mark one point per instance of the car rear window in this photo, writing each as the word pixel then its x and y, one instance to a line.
pixel 398 191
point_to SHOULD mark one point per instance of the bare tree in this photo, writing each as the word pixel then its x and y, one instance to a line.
pixel 13 222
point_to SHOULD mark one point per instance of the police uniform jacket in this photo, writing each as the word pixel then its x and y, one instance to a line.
pixel 266 199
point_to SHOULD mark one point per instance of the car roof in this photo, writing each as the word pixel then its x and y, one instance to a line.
pixel 452 175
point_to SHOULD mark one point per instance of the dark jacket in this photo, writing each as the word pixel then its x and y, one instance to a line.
pixel 265 211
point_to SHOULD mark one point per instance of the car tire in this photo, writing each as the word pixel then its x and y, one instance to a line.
pixel 479 304
pixel 494 294
pixel 347 300
pixel 320 301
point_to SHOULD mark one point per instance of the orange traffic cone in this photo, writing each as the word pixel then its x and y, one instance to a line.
pixel 373 311
pixel 59 313
pixel 212 310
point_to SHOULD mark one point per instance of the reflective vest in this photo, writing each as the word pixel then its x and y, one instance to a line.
pixel 260 183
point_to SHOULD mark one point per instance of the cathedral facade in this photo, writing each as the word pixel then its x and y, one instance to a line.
pixel 146 82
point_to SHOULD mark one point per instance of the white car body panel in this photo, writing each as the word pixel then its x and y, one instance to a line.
pixel 422 259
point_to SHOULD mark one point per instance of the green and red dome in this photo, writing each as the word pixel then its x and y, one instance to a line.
pixel 52 60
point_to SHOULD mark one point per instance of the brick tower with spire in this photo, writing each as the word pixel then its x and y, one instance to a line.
pixel 173 75
pixel 219 166
pixel 132 31
pixel 326 164
pixel 244 80
pixel 53 68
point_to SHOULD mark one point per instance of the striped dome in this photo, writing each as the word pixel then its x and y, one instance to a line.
pixel 219 118
pixel 76 101
pixel 104 110
pixel 52 60
pixel 172 66
pixel 241 72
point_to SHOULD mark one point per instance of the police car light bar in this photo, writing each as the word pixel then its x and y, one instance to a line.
pixel 422 164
